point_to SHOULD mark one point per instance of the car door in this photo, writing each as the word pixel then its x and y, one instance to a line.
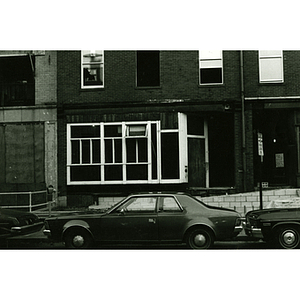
pixel 135 220
pixel 171 219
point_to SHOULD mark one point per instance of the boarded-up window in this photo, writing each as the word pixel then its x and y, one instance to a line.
pixel 22 153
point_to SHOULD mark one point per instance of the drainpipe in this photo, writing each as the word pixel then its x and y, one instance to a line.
pixel 243 119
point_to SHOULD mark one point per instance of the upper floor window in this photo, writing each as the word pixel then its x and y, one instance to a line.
pixel 211 67
pixel 270 66
pixel 92 68
pixel 148 68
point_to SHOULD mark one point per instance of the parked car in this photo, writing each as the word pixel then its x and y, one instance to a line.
pixel 148 218
pixel 13 222
pixel 280 226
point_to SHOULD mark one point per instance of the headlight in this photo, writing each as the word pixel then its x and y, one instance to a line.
pixel 46 225
pixel 15 221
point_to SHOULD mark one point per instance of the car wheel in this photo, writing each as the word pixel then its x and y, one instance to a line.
pixel 288 237
pixel 200 238
pixel 78 238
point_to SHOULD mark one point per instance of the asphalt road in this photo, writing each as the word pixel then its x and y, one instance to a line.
pixel 39 241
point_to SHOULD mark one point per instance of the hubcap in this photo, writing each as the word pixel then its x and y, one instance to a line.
pixel 289 238
pixel 199 240
pixel 78 241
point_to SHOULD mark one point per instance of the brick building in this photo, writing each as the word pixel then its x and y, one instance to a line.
pixel 28 125
pixel 272 94
pixel 131 121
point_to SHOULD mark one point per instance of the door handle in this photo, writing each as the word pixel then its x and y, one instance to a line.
pixel 152 221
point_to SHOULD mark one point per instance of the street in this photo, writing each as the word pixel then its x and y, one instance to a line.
pixel 39 241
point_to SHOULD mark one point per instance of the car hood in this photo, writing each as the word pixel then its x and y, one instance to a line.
pixel 221 209
pixel 78 214
pixel 15 213
pixel 260 212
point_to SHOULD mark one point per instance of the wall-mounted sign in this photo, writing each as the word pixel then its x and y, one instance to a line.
pixel 260 144
pixel 279 160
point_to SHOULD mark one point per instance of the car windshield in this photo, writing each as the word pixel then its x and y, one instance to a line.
pixel 114 205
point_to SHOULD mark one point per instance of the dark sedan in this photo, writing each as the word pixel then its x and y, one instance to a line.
pixel 279 226
pixel 13 222
pixel 148 218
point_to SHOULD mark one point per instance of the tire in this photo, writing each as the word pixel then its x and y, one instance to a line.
pixel 200 238
pixel 77 238
pixel 288 237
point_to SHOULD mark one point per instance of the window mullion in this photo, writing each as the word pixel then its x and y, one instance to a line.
pixel 102 152
pixel 80 152
pixel 124 152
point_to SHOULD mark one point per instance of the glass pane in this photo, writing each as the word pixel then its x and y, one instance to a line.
pixel 148 68
pixel 96 151
pixel 141 204
pixel 210 54
pixel 118 151
pixel 86 151
pixel 170 204
pixel 142 150
pixel 91 56
pixel 113 173
pixel 271 69
pixel 136 130
pixel 85 131
pixel 270 52
pixel 195 125
pixel 208 76
pixel 170 156
pixel 211 64
pixel 112 130
pixel 75 150
pixel 131 150
pixel 85 173
pixel 93 75
pixel 108 151
pixel 154 150
pixel 137 172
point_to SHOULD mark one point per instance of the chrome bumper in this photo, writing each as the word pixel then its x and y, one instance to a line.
pixel 16 230
pixel 238 229
pixel 252 231
pixel 47 232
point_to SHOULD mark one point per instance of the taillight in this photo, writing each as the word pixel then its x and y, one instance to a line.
pixel 238 221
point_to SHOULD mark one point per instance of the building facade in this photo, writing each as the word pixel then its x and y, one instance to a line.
pixel 133 121
pixel 28 124
pixel 108 123
pixel 272 94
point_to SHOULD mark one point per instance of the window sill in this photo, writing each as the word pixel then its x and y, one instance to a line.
pixel 95 89
pixel 211 85
pixel 272 83
pixel 147 87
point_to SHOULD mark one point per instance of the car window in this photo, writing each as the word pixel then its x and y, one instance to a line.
pixel 140 204
pixel 170 204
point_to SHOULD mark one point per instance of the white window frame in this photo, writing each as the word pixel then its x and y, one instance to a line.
pixel 91 53
pixel 265 57
pixel 182 138
pixel 210 59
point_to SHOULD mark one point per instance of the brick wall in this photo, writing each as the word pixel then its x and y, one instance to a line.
pixel 245 202
pixel 179 77
pixel 242 202
pixel 45 78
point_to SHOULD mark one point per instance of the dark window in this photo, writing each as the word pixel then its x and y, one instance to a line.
pixel 17 81
pixel 195 125
pixel 170 155
pixel 85 173
pixel 148 68
pixel 85 131
pixel 213 75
